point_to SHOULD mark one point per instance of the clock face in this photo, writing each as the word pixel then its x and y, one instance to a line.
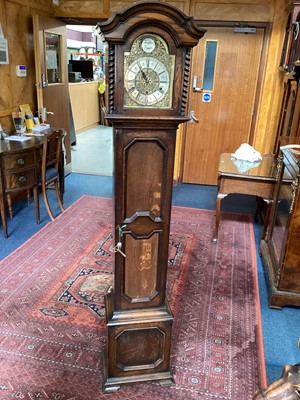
pixel 147 81
pixel 149 71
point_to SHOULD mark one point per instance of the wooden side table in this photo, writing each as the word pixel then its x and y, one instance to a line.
pixel 18 173
pixel 235 177
pixel 19 169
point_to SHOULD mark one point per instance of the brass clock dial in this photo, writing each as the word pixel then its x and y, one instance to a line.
pixel 149 74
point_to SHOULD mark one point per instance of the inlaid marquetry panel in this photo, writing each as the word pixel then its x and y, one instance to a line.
pixel 141 265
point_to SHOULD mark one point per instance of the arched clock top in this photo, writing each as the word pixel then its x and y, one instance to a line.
pixel 182 28
pixel 148 60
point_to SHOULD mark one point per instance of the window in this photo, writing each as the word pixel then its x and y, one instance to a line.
pixel 52 57
pixel 209 66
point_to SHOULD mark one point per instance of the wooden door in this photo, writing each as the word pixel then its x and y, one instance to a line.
pixel 225 112
pixel 50 51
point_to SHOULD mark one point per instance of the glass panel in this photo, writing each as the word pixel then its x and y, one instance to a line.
pixel 53 62
pixel 210 63
pixel 280 216
pixel 281 220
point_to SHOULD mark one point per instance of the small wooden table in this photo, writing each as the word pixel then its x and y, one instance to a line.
pixel 19 171
pixel 235 177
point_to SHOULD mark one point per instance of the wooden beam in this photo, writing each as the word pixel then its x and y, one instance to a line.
pixel 83 9
pixel 43 5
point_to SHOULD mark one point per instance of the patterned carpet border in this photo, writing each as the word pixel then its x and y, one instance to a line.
pixel 52 323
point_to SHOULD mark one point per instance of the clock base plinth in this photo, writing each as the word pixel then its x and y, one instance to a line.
pixel 139 346
pixel 112 385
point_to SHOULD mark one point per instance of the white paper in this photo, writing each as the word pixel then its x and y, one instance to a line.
pixel 247 153
pixel 41 127
pixel 17 138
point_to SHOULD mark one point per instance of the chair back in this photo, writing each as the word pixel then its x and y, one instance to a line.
pixel 51 151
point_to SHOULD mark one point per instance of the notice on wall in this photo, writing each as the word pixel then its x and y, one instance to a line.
pixel 206 97
pixel 51 59
pixel 3 51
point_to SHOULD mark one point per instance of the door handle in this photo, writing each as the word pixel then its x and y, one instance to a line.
pixel 44 81
pixel 47 113
pixel 43 114
pixel 195 83
pixel 193 118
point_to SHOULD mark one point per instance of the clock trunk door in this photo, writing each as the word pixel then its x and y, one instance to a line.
pixel 146 162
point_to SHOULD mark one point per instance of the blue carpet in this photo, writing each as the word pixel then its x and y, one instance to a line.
pixel 280 327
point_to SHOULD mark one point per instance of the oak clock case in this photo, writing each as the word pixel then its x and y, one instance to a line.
pixel 149 51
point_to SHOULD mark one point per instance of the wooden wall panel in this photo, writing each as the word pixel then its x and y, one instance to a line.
pixel 179 4
pixel 5 92
pixel 118 5
pixel 45 6
pixel 183 5
pixel 270 101
pixel 213 11
pixel 16 21
pixel 21 52
pixel 15 90
pixel 80 9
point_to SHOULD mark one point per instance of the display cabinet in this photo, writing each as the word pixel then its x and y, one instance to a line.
pixel 289 117
pixel 280 248
pixel 289 122
pixel 290 56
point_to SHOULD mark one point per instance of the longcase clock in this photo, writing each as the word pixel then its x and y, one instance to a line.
pixel 148 67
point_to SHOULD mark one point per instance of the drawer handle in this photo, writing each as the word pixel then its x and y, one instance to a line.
pixel 22 179
pixel 21 161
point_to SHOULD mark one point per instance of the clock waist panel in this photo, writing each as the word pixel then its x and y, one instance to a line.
pixel 147 119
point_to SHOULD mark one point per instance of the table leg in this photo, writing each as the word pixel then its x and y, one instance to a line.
pixel 267 219
pixel 3 216
pixel 220 197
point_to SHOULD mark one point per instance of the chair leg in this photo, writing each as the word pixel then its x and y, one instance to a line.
pixel 36 204
pixel 44 191
pixel 59 197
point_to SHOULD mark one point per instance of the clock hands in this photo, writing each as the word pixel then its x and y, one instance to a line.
pixel 143 73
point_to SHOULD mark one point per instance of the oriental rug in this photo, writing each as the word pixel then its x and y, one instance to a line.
pixel 52 325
